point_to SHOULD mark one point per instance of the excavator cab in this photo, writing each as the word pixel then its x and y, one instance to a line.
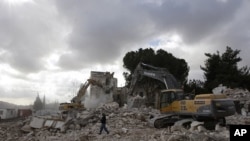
pixel 169 98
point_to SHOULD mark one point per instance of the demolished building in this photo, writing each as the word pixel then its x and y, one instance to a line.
pixel 241 98
pixel 124 123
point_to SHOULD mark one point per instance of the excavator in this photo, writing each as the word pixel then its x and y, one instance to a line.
pixel 76 101
pixel 175 105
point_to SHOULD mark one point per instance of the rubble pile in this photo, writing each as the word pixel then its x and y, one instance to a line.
pixel 238 94
pixel 124 124
pixel 241 97
pixel 238 119
pixel 136 101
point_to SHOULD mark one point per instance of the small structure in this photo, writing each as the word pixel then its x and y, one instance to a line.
pixel 24 112
pixel 7 113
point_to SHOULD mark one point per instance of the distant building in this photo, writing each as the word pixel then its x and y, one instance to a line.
pixel 8 113
pixel 24 112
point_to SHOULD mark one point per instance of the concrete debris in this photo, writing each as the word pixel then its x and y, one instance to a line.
pixel 181 125
pixel 48 123
pixel 136 102
pixel 37 122
pixel 178 138
pixel 125 130
pixel 196 123
pixel 110 106
pixel 241 97
pixel 201 128
pixel 219 128
pixel 123 124
pixel 26 128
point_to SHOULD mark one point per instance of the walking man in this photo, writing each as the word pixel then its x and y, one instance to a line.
pixel 103 125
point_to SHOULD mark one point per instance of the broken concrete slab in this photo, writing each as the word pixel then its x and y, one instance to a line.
pixel 49 123
pixel 196 123
pixel 59 124
pixel 37 122
pixel 184 121
pixel 125 130
pixel 26 128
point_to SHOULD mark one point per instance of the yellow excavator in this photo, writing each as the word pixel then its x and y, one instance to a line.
pixel 175 105
pixel 76 101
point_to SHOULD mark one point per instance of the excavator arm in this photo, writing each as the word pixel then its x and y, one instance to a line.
pixel 161 74
pixel 83 89
pixel 76 101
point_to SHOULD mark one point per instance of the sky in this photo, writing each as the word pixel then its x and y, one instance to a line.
pixel 49 47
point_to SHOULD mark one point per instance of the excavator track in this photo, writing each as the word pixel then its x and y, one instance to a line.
pixel 210 124
pixel 163 121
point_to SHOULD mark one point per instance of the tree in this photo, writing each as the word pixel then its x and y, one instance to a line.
pixel 195 87
pixel 38 105
pixel 245 77
pixel 178 67
pixel 223 69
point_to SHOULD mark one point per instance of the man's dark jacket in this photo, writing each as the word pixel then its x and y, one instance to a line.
pixel 103 120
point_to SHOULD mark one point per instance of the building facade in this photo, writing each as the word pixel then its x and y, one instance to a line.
pixel 8 113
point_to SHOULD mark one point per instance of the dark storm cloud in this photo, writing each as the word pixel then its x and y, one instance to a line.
pixel 236 34
pixel 193 20
pixel 101 28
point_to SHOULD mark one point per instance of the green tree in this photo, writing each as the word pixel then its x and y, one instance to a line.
pixel 245 77
pixel 223 69
pixel 38 105
pixel 160 58
pixel 195 87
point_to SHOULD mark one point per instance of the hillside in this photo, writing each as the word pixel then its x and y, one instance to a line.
pixel 4 105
